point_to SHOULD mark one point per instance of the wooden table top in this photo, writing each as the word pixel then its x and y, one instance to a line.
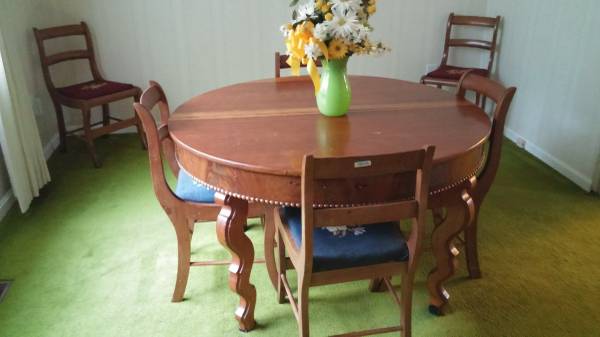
pixel 268 126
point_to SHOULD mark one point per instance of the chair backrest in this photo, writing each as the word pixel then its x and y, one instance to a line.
pixel 159 142
pixel 317 172
pixel 502 97
pixel 41 35
pixel 281 63
pixel 472 21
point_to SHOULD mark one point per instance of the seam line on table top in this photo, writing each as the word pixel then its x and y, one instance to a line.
pixel 228 114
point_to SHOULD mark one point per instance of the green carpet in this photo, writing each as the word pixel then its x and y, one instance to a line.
pixel 96 256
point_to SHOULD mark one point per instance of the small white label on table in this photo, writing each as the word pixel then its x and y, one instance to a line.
pixel 363 163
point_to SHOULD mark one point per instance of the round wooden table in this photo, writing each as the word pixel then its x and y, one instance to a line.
pixel 247 142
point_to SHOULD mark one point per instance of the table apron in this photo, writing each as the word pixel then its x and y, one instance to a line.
pixel 283 190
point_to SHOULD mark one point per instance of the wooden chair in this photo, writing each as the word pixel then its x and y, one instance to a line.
pixel 322 258
pixel 448 75
pixel 280 63
pixel 190 202
pixel 502 97
pixel 87 95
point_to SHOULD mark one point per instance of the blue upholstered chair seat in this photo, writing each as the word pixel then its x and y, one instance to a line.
pixel 380 243
pixel 190 190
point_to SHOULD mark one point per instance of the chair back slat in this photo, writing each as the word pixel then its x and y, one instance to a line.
pixel 356 167
pixel 478 21
pixel 470 43
pixel 365 215
pixel 62 31
pixel 66 56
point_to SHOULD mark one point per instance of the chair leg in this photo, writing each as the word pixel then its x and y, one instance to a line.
pixel 105 115
pixel 471 247
pixel 89 140
pixel 281 267
pixel 62 130
pixel 184 242
pixel 406 297
pixel 438 216
pixel 377 285
pixel 303 326
pixel 269 242
pixel 138 125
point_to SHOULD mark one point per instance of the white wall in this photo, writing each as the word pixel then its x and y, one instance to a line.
pixel 550 50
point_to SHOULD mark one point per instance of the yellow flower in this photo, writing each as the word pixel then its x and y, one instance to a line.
pixel 328 16
pixel 372 2
pixel 308 25
pixel 337 49
pixel 319 3
pixel 325 8
pixel 371 9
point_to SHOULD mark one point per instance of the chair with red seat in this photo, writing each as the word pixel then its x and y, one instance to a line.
pixel 449 75
pixel 87 95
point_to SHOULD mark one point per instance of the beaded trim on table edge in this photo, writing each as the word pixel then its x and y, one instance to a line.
pixel 288 204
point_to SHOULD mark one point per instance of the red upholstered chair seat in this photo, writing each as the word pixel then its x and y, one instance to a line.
pixel 93 89
pixel 455 73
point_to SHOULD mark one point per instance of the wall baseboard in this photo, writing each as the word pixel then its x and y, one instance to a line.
pixel 6 203
pixel 52 145
pixel 557 164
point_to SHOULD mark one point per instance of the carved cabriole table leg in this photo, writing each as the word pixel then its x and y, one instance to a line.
pixel 459 215
pixel 230 232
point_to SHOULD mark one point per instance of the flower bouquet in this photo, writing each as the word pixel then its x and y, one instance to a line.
pixel 330 31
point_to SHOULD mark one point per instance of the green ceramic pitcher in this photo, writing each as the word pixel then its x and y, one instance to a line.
pixel 334 96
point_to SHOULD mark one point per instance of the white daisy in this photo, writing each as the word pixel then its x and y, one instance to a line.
pixel 313 51
pixel 306 11
pixel 345 25
pixel 361 34
pixel 346 5
pixel 323 31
